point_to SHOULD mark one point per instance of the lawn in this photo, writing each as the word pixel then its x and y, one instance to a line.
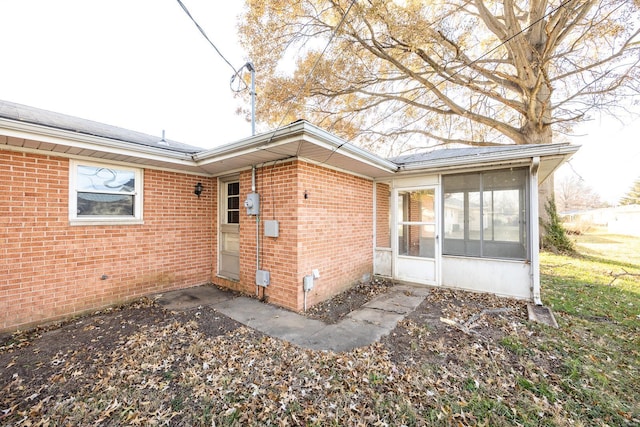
pixel 486 364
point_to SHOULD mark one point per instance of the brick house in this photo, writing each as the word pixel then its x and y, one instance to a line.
pixel 93 215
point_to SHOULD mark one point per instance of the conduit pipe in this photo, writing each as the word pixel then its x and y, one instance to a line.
pixel 253 190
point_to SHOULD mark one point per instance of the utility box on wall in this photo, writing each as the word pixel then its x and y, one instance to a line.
pixel 262 278
pixel 252 203
pixel 271 228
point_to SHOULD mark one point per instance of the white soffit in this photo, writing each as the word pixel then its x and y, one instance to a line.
pixel 39 138
pixel 298 140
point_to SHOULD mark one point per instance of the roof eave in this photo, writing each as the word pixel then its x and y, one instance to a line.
pixel 66 138
pixel 564 149
pixel 296 131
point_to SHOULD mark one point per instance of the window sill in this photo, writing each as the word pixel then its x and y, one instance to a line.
pixel 94 221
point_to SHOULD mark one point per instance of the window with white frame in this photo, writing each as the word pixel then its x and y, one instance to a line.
pixel 104 193
pixel 484 214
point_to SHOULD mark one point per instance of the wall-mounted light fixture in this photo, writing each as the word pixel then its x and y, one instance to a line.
pixel 198 189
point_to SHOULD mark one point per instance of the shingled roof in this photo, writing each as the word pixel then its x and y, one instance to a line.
pixel 37 116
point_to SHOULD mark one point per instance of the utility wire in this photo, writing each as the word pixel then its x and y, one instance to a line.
pixel 205 35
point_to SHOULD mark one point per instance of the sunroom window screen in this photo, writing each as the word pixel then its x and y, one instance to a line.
pixel 485 214
pixel 105 191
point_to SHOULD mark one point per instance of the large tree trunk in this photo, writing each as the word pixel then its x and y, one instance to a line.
pixel 546 193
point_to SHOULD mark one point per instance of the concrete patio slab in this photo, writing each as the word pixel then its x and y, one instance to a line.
pixel 359 328
pixel 269 319
pixel 186 299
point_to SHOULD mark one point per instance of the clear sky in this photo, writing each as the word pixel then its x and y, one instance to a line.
pixel 143 65
pixel 138 64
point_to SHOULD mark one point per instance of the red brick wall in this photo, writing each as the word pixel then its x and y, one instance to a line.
pixel 335 230
pixel 330 230
pixel 383 230
pixel 50 270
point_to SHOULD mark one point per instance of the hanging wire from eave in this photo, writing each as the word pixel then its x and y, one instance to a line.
pixel 561 5
pixel 205 35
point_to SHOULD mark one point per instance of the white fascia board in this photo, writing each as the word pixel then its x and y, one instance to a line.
pixel 351 150
pixel 22 130
pixel 248 145
pixel 465 167
pixel 296 132
pixel 237 149
pixel 337 145
pixel 527 152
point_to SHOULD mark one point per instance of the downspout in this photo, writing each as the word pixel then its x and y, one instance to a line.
pixel 535 231
pixel 375 224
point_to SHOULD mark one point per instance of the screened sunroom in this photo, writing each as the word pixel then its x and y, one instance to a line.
pixel 465 218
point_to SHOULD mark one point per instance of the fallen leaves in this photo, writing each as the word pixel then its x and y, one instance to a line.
pixel 483 366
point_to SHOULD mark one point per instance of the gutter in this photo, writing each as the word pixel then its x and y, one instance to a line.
pixel 526 153
pixel 66 138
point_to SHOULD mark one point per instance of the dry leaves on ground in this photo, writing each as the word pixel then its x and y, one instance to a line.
pixel 200 368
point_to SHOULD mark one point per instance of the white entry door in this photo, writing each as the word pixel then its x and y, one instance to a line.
pixel 229 237
pixel 416 255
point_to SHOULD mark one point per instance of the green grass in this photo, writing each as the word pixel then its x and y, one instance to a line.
pixel 596 298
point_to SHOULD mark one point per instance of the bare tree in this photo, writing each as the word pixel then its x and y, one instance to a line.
pixel 396 75
pixel 572 193
pixel 476 72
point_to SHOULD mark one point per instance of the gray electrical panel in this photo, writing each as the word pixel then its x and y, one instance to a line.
pixel 271 228
pixel 262 278
pixel 307 283
pixel 252 203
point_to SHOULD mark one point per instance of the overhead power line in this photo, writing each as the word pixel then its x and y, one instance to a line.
pixel 205 36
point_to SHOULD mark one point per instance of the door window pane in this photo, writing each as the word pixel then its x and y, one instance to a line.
pixel 417 240
pixel 233 203
pixel 416 231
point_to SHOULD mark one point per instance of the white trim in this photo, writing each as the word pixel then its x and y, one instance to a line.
pixel 106 221
pixel 138 200
pixel 46 134
pixel 19 149
pixel 298 132
pixel 525 153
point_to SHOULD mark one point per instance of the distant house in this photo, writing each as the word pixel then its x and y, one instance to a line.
pixel 623 220
pixel 93 215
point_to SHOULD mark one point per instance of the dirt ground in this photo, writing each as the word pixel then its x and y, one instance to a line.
pixel 444 321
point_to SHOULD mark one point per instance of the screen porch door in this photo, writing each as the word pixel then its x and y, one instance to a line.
pixel 416 235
